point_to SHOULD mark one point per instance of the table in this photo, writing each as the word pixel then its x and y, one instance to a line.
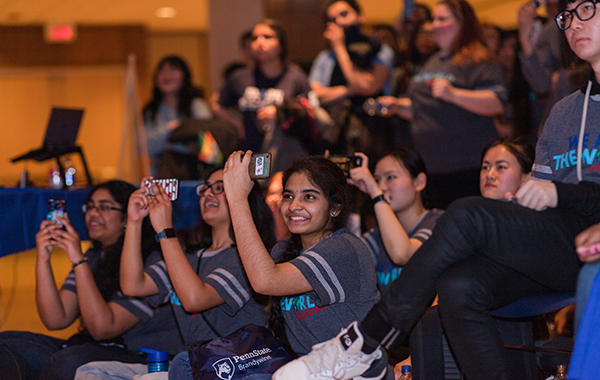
pixel 22 211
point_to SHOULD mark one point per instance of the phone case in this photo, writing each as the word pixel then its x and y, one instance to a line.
pixel 260 166
pixel 170 185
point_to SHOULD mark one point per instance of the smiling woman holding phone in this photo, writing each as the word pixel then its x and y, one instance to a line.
pixel 113 327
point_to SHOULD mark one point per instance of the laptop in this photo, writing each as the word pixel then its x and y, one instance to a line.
pixel 61 134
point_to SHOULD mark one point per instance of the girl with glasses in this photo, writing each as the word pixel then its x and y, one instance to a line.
pixel 113 327
pixel 206 287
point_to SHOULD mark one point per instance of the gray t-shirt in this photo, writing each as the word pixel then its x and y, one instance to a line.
pixel 341 273
pixel 450 138
pixel 223 271
pixel 156 329
pixel 385 268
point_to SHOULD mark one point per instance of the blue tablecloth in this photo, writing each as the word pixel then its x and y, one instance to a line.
pixel 22 211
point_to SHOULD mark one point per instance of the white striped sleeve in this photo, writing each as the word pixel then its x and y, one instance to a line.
pixel 233 291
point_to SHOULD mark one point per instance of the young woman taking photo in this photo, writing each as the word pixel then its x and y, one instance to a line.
pixel 323 274
pixel 113 326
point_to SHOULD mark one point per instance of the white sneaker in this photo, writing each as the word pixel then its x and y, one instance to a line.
pixel 339 358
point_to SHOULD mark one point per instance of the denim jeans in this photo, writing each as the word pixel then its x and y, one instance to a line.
pixel 23 355
pixel 27 355
pixel 587 274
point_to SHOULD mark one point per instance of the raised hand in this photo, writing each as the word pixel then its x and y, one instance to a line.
pixel 161 209
pixel 43 239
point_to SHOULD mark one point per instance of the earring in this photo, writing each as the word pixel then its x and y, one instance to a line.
pixel 333 214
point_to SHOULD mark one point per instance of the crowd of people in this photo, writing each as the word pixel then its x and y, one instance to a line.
pixel 458 210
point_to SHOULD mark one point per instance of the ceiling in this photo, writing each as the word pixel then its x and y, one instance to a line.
pixel 193 14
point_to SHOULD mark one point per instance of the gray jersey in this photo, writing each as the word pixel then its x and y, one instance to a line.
pixel 341 273
pixel 156 328
pixel 223 271
pixel 385 268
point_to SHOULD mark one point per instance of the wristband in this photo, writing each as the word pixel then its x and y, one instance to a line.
pixel 378 199
pixel 165 234
pixel 79 262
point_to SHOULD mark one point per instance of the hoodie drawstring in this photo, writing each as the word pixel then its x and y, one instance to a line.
pixel 582 130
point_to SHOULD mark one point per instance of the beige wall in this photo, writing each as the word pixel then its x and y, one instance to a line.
pixel 30 89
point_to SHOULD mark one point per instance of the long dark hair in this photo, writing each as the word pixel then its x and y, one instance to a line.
pixel 106 273
pixel 330 179
pixel 186 94
pixel 261 214
pixel 469 47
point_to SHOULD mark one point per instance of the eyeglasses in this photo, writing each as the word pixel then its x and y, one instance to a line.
pixel 102 207
pixel 216 188
pixel 584 11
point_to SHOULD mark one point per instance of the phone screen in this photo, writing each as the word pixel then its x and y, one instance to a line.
pixel 56 207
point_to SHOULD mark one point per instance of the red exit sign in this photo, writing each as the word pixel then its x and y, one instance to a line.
pixel 60 33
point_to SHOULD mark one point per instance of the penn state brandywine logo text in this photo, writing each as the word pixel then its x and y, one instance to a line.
pixel 224 368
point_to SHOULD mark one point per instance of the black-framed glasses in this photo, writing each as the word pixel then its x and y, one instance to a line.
pixel 216 188
pixel 102 207
pixel 584 11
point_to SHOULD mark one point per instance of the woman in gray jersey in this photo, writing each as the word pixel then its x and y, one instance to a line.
pixel 113 326
pixel 208 289
pixel 404 224
pixel 323 275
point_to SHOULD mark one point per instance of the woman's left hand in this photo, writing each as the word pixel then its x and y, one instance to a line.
pixel 161 209
pixel 68 240
pixel 236 180
pixel 442 89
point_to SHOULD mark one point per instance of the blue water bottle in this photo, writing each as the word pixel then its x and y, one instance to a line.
pixel 406 373
pixel 158 361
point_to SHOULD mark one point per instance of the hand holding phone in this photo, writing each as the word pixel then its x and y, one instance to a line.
pixel 170 185
pixel 346 163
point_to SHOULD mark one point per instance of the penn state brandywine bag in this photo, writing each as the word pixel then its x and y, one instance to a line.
pixel 250 350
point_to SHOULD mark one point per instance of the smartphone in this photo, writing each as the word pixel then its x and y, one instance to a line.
pixel 170 185
pixel 260 166
pixel 346 163
pixel 56 207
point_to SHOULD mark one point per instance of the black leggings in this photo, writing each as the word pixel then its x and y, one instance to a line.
pixel 483 254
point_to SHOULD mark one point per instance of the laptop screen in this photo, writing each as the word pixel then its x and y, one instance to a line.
pixel 62 128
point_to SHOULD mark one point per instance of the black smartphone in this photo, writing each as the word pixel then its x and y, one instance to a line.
pixel 170 185
pixel 260 166
pixel 346 163
pixel 56 207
